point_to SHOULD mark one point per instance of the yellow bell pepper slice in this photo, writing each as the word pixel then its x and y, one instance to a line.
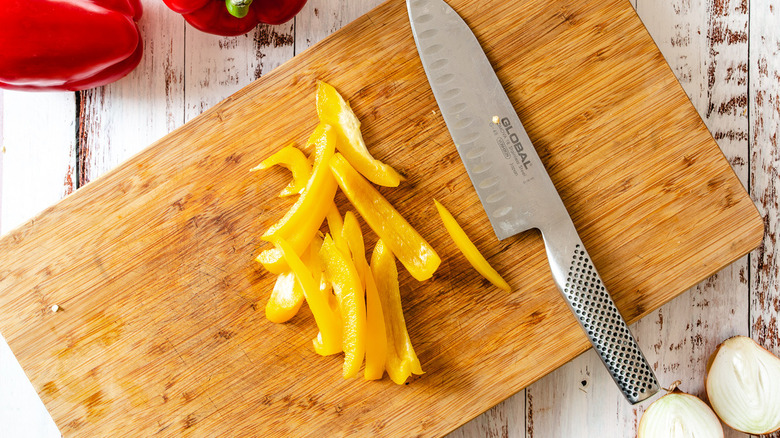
pixel 343 276
pixel 419 258
pixel 286 299
pixel 335 111
pixel 329 338
pixel 376 340
pixel 335 221
pixel 312 262
pixel 336 227
pixel 296 162
pixel 469 250
pixel 273 261
pixel 353 237
pixel 376 332
pixel 401 361
pixel 303 220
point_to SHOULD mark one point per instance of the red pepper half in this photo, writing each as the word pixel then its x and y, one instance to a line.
pixel 67 44
pixel 234 17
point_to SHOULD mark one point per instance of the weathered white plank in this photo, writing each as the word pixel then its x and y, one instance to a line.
pixel 580 399
pixel 38 153
pixel 505 420
pixel 765 168
pixel 120 119
pixel 689 328
pixel 320 18
pixel 217 67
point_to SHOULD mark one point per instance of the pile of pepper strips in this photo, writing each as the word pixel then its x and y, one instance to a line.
pixel 356 306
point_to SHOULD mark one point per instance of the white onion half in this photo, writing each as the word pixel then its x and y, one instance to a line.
pixel 743 386
pixel 679 415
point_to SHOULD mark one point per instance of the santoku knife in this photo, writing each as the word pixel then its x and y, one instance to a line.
pixel 514 187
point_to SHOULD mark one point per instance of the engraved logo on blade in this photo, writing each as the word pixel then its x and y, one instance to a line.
pixel 504 148
pixel 514 140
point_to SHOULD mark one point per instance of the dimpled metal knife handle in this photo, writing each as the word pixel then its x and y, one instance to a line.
pixel 581 286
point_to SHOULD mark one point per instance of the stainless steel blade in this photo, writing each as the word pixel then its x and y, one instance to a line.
pixel 513 186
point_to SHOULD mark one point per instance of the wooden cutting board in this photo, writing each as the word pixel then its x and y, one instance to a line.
pixel 161 329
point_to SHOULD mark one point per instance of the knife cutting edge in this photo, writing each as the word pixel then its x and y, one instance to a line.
pixel 513 186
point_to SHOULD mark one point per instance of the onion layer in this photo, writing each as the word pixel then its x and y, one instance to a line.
pixel 743 386
pixel 679 415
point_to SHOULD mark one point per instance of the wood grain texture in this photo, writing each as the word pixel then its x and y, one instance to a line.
pixel 183 348
pixel 219 66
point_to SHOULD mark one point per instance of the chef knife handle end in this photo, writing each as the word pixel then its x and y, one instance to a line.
pixel 579 282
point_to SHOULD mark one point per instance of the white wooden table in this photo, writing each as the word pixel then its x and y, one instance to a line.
pixel 725 53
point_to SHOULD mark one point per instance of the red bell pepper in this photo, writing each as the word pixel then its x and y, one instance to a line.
pixel 67 44
pixel 234 17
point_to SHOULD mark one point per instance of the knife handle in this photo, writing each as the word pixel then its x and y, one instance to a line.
pixel 581 286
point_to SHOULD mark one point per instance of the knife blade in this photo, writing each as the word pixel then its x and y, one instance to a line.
pixel 513 185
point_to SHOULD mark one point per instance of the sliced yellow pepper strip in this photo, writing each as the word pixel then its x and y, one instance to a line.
pixel 303 220
pixel 273 261
pixel 341 273
pixel 286 299
pixel 296 162
pixel 335 111
pixel 376 340
pixel 336 227
pixel 405 242
pixel 376 332
pixel 335 222
pixel 469 250
pixel 310 210
pixel 329 339
pixel 401 359
pixel 353 237
pixel 312 262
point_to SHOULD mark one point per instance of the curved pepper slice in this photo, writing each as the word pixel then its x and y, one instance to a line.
pixel 341 273
pixel 296 162
pixel 401 361
pixel 272 260
pixel 336 227
pixel 304 218
pixel 335 221
pixel 287 296
pixel 329 339
pixel 286 299
pixel 312 261
pixel 419 258
pixel 353 238
pixel 376 338
pixel 335 111
pixel 469 250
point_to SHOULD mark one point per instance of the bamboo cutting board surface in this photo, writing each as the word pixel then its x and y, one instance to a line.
pixel 161 329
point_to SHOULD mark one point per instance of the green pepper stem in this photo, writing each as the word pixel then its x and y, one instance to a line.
pixel 238 8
